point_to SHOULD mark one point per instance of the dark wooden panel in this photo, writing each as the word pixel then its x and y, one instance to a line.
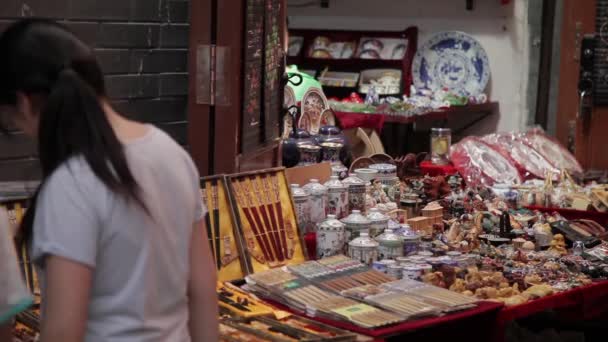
pixel 201 20
pixel 16 145
pixel 19 170
pixel 254 75
pixel 273 62
pixel 228 111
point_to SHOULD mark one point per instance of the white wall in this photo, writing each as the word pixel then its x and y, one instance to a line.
pixel 501 30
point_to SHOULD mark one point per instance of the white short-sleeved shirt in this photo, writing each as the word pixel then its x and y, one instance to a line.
pixel 140 262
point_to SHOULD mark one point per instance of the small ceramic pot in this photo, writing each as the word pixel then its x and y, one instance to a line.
pixel 309 154
pixel 390 245
pixel 379 222
pixel 318 200
pixel 355 224
pixel 412 271
pixel 337 197
pixel 330 237
pixel 364 249
pixel 385 171
pixel 367 175
pixel 395 271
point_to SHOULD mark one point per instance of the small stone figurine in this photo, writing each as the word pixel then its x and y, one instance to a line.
pixel 558 245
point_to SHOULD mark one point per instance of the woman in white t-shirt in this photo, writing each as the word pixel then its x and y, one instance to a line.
pixel 116 229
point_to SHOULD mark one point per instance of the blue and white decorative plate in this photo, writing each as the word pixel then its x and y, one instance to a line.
pixel 452 60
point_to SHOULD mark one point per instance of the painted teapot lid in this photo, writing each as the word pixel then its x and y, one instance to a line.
pixel 375 215
pixel 298 192
pixel 356 217
pixel 352 179
pixel 314 187
pixel 364 241
pixel 334 182
pixel 389 237
pixel 331 223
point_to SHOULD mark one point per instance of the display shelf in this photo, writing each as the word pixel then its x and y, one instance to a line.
pixel 355 64
pixel 483 109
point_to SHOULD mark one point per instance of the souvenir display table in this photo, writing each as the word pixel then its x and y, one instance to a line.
pixel 485 311
pixel 576 305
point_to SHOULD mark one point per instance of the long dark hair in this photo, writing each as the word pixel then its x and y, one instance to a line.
pixel 42 57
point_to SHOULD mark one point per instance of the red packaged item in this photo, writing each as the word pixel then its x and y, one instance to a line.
pixel 555 153
pixel 480 164
pixel 528 161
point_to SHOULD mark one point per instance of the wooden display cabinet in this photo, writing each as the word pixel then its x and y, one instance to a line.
pixel 236 68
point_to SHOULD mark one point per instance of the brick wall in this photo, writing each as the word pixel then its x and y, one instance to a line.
pixel 142 47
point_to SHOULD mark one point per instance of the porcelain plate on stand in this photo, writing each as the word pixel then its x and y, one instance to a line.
pixel 452 60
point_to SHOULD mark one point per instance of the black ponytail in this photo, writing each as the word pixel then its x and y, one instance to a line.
pixel 41 57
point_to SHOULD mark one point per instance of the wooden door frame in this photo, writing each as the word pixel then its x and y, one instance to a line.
pixel 199 133
pixel 581 14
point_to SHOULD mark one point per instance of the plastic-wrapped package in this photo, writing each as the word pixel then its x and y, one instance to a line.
pixel 528 161
pixel 549 148
pixel 480 164
pixel 14 296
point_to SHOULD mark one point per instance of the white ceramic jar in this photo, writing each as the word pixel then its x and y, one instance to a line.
pixel 356 192
pixel 301 199
pixel 390 245
pixel 330 237
pixel 355 224
pixel 364 249
pixel 337 197
pixel 378 222
pixel 318 201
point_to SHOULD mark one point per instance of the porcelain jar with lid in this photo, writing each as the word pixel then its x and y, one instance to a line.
pixel 356 192
pixel 330 237
pixel 337 197
pixel 301 199
pixel 378 222
pixel 309 154
pixel 355 223
pixel 318 200
pixel 386 172
pixel 390 245
pixel 411 240
pixel 363 248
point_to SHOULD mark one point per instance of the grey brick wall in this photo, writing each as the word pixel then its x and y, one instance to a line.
pixel 142 46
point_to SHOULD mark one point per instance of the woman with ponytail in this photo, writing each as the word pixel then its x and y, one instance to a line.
pixel 116 228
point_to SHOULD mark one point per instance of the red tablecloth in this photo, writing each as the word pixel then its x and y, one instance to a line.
pixel 583 303
pixel 483 309
pixel 354 120
pixel 428 168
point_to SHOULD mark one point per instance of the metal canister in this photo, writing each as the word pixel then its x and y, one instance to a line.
pixel 337 197
pixel 301 200
pixel 318 200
